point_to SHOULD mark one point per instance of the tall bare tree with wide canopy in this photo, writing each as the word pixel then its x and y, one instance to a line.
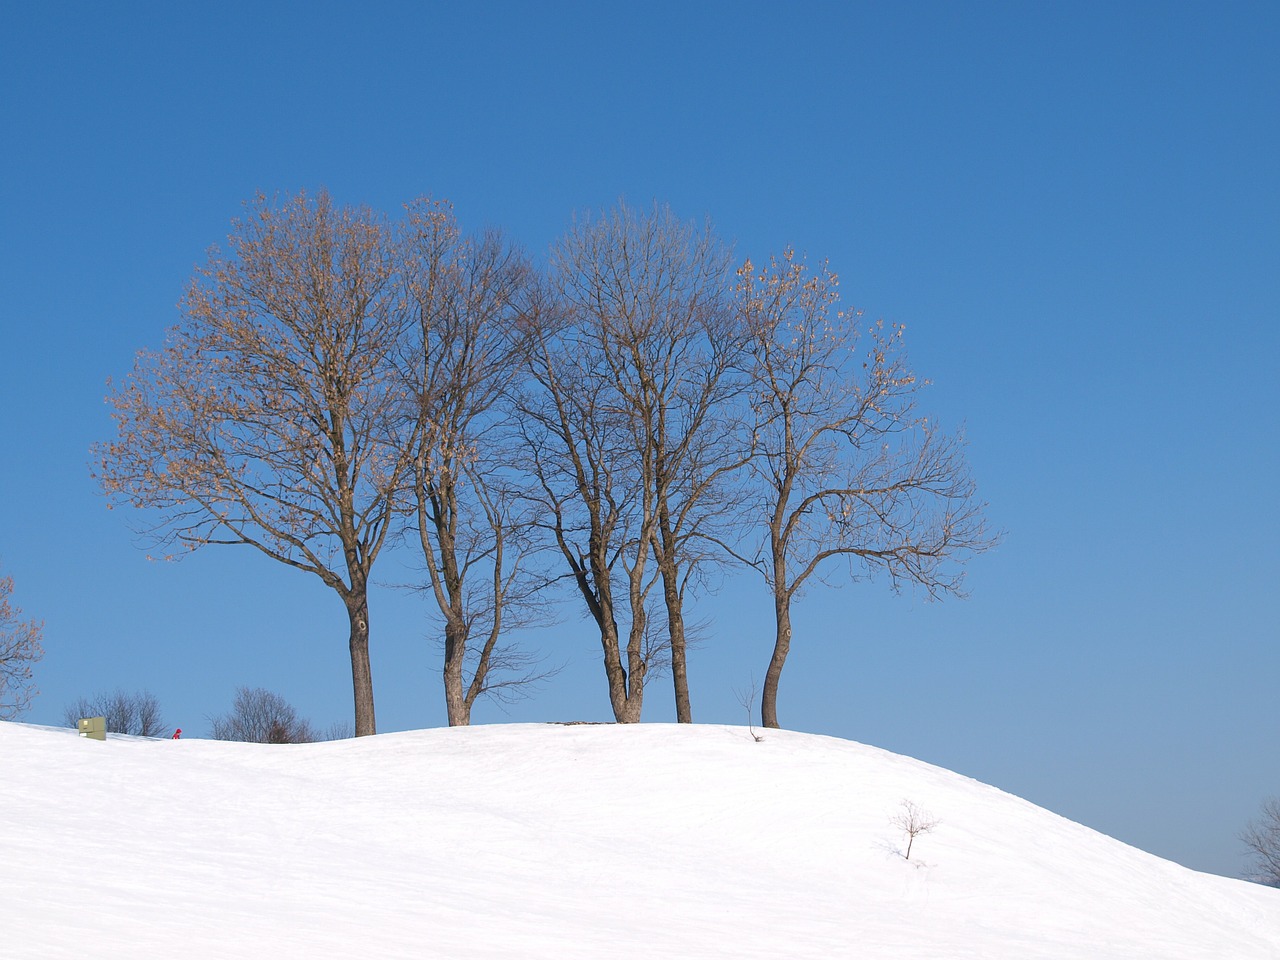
pixel 845 467
pixel 589 500
pixel 274 415
pixel 628 384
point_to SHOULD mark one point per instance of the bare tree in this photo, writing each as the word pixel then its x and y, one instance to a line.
pixel 1262 837
pixel 135 714
pixel 271 416
pixel 260 716
pixel 747 697
pixel 468 294
pixel 600 518
pixel 629 380
pixel 20 647
pixel 675 364
pixel 845 468
pixel 913 821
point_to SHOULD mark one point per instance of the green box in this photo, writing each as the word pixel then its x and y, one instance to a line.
pixel 95 728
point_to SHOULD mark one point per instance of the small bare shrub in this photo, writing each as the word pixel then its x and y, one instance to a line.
pixel 913 821
pixel 747 697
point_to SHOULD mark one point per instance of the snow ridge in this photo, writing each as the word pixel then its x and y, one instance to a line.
pixel 552 841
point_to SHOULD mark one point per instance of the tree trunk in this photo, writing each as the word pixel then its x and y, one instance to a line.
pixel 599 598
pixel 459 711
pixel 781 647
pixel 631 709
pixel 625 700
pixel 675 628
pixel 361 674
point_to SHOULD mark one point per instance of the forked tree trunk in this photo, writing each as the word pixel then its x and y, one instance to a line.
pixel 625 702
pixel 357 604
pixel 625 699
pixel 781 647
pixel 629 709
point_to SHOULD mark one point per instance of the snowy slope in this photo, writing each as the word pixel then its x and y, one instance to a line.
pixel 548 841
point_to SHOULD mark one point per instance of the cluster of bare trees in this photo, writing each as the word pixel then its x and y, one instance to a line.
pixel 136 714
pixel 256 716
pixel 626 420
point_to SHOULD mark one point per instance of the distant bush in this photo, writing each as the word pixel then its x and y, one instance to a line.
pixel 339 730
pixel 260 716
pixel 1262 837
pixel 137 714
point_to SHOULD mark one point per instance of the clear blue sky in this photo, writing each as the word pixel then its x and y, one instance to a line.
pixel 1073 207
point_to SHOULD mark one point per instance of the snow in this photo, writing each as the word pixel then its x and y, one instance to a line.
pixel 552 841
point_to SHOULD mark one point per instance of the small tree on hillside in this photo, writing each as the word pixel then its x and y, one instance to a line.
pixel 136 714
pixel 913 821
pixel 20 647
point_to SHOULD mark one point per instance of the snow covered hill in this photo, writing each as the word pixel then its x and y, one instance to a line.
pixel 549 841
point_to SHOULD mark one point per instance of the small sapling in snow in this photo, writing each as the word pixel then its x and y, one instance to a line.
pixel 913 821
pixel 747 697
